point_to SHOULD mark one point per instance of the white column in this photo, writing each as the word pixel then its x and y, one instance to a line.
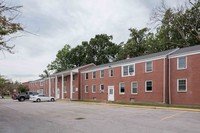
pixel 71 85
pixel 49 86
pixel 62 91
pixel 56 85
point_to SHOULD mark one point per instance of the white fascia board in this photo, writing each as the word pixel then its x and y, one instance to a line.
pixel 184 54
pixel 123 64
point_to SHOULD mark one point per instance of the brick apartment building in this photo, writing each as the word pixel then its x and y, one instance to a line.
pixel 171 76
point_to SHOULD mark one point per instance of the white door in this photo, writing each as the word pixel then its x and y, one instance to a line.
pixel 111 93
pixel 58 93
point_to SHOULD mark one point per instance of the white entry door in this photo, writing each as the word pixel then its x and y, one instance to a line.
pixel 58 93
pixel 111 96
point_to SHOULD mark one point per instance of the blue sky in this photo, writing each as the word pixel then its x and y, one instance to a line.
pixel 59 22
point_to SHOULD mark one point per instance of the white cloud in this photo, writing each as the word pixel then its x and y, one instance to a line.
pixel 60 22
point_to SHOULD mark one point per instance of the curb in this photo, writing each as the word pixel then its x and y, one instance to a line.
pixel 137 106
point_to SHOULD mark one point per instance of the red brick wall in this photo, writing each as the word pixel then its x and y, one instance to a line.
pixel 140 76
pixel 192 73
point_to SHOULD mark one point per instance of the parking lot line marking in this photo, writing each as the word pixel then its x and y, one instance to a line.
pixel 171 116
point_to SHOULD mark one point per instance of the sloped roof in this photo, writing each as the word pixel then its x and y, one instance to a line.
pixel 125 61
pixel 186 50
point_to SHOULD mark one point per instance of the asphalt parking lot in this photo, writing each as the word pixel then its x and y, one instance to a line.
pixel 74 117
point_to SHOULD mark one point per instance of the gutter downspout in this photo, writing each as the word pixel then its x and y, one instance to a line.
pixel 170 101
pixel 164 83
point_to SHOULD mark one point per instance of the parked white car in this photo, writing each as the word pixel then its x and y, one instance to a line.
pixel 41 97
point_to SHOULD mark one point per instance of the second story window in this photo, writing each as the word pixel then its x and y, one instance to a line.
pixel 86 76
pixel 181 62
pixel 128 70
pixel 93 75
pixel 148 66
pixel 111 73
pixel 101 73
pixel 74 77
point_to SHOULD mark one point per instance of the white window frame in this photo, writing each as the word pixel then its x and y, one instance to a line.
pixel 110 72
pixel 93 74
pixel 185 85
pixel 65 89
pixel 41 83
pixel 93 88
pixel 146 85
pixel 122 70
pixel 102 91
pixel 146 66
pixel 86 76
pixel 132 87
pixel 101 73
pixel 87 89
pixel 178 63
pixel 73 89
pixel 120 88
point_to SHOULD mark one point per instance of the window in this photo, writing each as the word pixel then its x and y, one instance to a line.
pixel 86 75
pixel 101 73
pixel 47 81
pixel 148 86
pixel 181 62
pixel 41 83
pixel 65 78
pixel 101 88
pixel 121 88
pixel 74 77
pixel 111 73
pixel 134 87
pixel 65 90
pixel 148 66
pixel 93 88
pixel 73 90
pixel 94 75
pixel 181 85
pixel 128 70
pixel 86 88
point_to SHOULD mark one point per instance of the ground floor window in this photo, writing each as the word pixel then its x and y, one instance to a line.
pixel 101 88
pixel 73 90
pixel 121 88
pixel 93 88
pixel 65 90
pixel 86 88
pixel 134 88
pixel 181 85
pixel 148 86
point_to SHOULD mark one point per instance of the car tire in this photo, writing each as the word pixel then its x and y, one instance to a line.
pixel 21 99
pixel 38 100
pixel 52 99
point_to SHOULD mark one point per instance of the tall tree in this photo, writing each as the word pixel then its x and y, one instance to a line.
pixel 3 83
pixel 177 27
pixel 7 25
pixel 45 74
pixel 101 49
pixel 136 44
pixel 62 61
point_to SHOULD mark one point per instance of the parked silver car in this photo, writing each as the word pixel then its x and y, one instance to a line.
pixel 41 98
